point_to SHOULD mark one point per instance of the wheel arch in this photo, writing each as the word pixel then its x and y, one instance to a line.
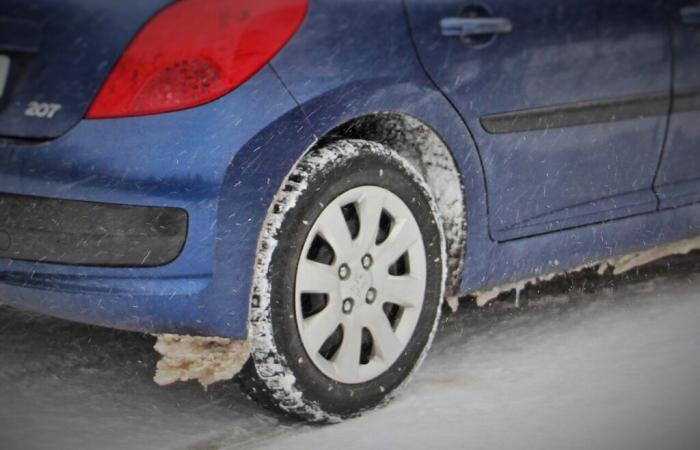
pixel 426 151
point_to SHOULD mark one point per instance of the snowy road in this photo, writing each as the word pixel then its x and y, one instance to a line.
pixel 613 365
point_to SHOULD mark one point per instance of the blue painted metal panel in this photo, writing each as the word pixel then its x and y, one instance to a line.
pixel 224 161
pixel 79 41
pixel 557 53
pixel 678 180
pixel 336 89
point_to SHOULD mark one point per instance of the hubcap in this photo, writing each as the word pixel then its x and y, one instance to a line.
pixel 360 284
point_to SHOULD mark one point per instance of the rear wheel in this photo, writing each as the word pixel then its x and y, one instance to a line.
pixel 348 285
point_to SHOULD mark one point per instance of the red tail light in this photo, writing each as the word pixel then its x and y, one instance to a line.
pixel 195 51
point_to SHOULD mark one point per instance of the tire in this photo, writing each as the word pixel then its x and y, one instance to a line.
pixel 312 273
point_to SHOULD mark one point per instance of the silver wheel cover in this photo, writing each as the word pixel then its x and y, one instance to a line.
pixel 369 294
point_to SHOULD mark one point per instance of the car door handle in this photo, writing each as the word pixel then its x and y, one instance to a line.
pixel 690 15
pixel 474 26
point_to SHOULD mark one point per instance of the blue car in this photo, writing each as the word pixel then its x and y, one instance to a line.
pixel 314 177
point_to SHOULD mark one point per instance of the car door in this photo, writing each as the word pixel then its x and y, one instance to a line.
pixel 678 180
pixel 567 101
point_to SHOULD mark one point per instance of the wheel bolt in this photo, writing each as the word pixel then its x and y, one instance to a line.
pixel 344 272
pixel 367 261
pixel 371 295
pixel 348 303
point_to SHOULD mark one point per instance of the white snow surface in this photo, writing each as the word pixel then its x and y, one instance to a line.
pixel 615 367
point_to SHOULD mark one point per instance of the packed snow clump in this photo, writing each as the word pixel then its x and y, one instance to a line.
pixel 626 263
pixel 483 297
pixel 619 264
pixel 205 359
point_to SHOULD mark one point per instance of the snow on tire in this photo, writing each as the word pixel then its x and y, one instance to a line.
pixel 348 283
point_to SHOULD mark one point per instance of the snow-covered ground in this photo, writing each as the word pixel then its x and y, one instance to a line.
pixel 614 364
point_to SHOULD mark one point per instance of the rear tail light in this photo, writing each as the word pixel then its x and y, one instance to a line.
pixel 195 51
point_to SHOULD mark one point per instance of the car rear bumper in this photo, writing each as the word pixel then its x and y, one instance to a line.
pixel 190 187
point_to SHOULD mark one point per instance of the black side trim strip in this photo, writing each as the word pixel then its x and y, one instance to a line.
pixel 687 100
pixel 583 113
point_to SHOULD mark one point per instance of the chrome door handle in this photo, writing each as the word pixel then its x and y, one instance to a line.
pixel 690 15
pixel 474 26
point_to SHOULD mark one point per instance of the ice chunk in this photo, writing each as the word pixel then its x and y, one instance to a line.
pixel 205 359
